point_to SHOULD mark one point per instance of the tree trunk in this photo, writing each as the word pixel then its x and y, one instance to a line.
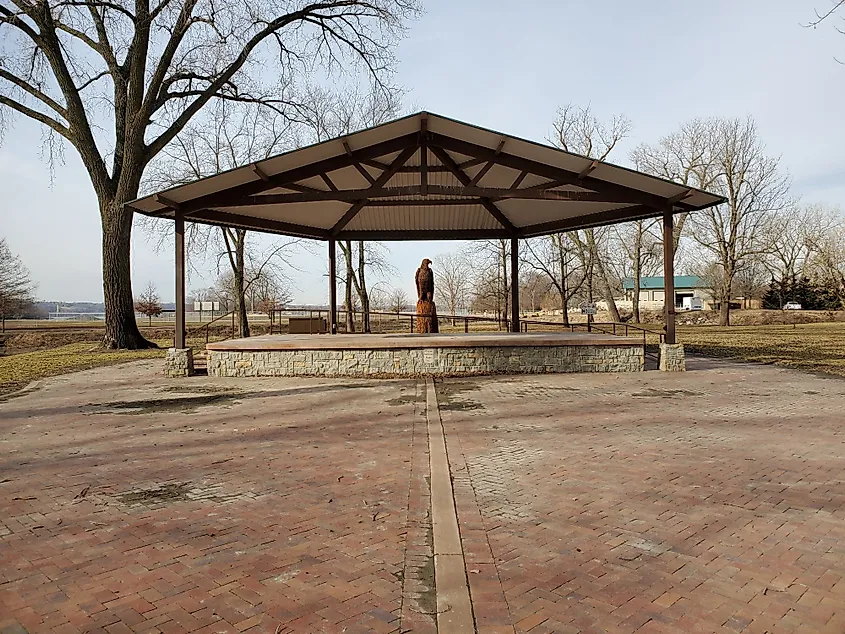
pixel 564 308
pixel 607 290
pixel 240 294
pixel 363 294
pixel 350 273
pixel 121 329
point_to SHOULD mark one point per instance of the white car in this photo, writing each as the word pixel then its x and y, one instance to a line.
pixel 792 306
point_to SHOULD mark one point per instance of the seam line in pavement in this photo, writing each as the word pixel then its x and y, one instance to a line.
pixel 454 608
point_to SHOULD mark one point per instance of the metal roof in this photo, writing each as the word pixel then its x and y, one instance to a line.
pixel 656 283
pixel 427 177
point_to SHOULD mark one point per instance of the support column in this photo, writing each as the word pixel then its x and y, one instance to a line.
pixel 669 275
pixel 671 353
pixel 332 286
pixel 514 284
pixel 179 338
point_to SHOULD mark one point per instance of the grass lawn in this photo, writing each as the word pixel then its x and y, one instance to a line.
pixel 812 347
pixel 17 370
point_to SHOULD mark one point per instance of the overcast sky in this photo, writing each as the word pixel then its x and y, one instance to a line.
pixel 508 66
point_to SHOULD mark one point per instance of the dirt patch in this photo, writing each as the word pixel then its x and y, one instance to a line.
pixel 184 404
pixel 451 396
pixel 165 494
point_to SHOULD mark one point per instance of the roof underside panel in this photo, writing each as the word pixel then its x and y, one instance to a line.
pixel 524 213
pixel 322 215
pixel 423 218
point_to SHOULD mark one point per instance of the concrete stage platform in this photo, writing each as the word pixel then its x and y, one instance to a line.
pixel 410 355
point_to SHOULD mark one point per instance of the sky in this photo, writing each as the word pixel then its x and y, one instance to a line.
pixel 508 66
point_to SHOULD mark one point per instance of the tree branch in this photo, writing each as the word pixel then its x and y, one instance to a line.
pixel 32 90
pixel 37 116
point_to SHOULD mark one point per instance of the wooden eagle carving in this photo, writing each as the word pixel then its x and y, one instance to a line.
pixel 425 282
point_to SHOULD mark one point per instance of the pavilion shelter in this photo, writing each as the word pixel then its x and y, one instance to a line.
pixel 424 177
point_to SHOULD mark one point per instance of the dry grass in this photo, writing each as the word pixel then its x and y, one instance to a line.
pixel 17 370
pixel 811 347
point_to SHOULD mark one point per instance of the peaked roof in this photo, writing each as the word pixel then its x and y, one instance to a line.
pixel 424 176
pixel 655 283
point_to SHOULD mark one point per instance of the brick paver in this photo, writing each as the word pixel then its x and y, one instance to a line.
pixel 700 502
pixel 227 507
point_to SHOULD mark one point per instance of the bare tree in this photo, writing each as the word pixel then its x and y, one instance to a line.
pixel 491 283
pixel 145 71
pixel 453 280
pixel 149 303
pixel 578 130
pixel 755 188
pixel 793 235
pixel 556 258
pixel 397 300
pixel 685 157
pixel 533 288
pixel 642 250
pixel 16 287
pixel 827 262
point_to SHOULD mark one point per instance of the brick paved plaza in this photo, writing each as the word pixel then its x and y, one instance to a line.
pixel 648 502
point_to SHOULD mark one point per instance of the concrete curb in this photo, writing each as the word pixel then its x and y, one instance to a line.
pixel 454 608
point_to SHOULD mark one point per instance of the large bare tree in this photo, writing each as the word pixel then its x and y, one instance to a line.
pixel 756 190
pixel 119 79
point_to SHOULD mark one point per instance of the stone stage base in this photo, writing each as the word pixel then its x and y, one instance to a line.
pixel 410 355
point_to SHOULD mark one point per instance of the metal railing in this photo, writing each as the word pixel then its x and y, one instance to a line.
pixel 206 326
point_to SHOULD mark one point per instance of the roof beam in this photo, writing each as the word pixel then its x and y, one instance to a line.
pixel 586 171
pixel 425 202
pixel 463 179
pixel 489 164
pixel 550 171
pixel 493 193
pixel 167 202
pixel 259 172
pixel 424 156
pixel 358 166
pixel 518 180
pixel 232 195
pixel 215 217
pixel 328 181
pixel 385 176
pixel 425 234
pixel 431 168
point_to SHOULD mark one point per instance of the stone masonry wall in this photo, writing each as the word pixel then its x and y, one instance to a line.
pixel 409 362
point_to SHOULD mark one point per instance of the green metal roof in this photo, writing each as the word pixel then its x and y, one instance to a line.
pixel 656 283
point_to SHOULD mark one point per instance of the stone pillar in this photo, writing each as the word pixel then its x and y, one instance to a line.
pixel 179 362
pixel 672 357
